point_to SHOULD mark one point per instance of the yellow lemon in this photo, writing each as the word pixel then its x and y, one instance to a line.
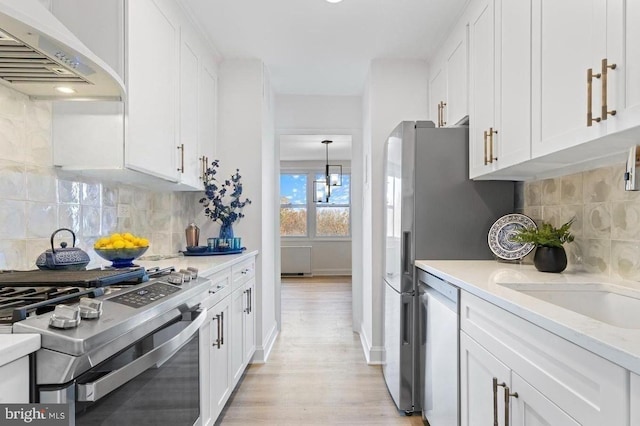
pixel 143 242
pixel 108 247
pixel 118 244
pixel 128 244
pixel 128 237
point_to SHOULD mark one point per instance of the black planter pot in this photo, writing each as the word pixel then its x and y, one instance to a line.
pixel 550 259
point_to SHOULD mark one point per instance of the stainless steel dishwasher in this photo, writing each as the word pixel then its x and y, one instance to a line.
pixel 439 324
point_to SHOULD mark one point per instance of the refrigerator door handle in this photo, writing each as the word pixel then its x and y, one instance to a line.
pixel 406 252
pixel 406 321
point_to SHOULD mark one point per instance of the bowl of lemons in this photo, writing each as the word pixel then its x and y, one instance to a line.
pixel 121 249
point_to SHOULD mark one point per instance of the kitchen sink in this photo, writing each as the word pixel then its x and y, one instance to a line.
pixel 607 303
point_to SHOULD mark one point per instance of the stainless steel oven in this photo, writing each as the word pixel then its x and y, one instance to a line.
pixel 124 354
pixel 155 381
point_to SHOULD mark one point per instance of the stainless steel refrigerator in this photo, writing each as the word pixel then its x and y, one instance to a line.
pixel 432 211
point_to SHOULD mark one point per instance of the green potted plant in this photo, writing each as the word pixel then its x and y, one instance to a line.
pixel 550 255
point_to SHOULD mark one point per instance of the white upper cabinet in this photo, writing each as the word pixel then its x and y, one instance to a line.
pixel 438 96
pixel 448 92
pixel 552 85
pixel 513 81
pixel 623 49
pixel 499 123
pixel 569 38
pixel 482 128
pixel 152 88
pixel 161 135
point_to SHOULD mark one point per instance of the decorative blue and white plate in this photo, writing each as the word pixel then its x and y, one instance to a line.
pixel 501 232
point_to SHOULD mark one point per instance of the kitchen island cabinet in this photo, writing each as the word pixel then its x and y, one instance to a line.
pixel 164 133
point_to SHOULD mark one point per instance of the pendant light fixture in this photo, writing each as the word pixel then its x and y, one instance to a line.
pixel 332 177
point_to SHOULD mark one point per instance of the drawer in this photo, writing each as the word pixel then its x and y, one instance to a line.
pixel 219 289
pixel 586 386
pixel 243 272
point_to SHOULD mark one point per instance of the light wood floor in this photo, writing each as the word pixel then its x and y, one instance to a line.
pixel 316 374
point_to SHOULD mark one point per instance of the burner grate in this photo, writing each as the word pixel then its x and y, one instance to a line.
pixel 17 304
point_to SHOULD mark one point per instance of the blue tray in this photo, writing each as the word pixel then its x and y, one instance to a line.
pixel 214 253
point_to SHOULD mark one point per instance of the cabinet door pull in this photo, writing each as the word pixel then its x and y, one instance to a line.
pixel 491 157
pixel 486 135
pixel 507 395
pixel 222 328
pixel 217 342
pixel 590 77
pixel 444 104
pixel 250 300
pixel 246 310
pixel 202 167
pixel 605 71
pixel 495 399
pixel 181 148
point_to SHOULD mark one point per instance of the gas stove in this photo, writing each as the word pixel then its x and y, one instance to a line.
pixel 123 312
pixel 104 341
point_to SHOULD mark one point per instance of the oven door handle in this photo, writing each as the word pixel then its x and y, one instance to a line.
pixel 95 390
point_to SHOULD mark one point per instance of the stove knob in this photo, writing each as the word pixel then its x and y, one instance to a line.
pixel 186 274
pixel 175 278
pixel 90 308
pixel 65 316
pixel 194 272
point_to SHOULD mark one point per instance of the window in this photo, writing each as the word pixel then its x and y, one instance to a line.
pixel 301 217
pixel 293 205
pixel 332 219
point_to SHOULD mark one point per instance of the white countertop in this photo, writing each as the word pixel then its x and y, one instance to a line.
pixel 207 265
pixel 483 277
pixel 14 346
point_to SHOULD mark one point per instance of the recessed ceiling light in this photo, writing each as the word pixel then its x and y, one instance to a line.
pixel 334 1
pixel 65 89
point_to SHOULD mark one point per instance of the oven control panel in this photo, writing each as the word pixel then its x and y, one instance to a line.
pixel 146 295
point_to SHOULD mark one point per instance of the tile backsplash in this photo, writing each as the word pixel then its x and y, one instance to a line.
pixel 35 199
pixel 607 226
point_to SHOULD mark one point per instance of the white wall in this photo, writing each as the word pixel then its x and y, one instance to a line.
pixel 396 90
pixel 245 141
pixel 300 114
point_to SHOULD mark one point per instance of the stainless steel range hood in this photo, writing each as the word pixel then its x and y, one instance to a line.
pixel 40 57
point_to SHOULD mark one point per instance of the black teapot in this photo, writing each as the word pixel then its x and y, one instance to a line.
pixel 63 258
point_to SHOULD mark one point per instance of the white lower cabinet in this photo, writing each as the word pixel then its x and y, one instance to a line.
pixel 634 416
pixel 227 338
pixel 220 356
pixel 540 378
pixel 14 386
pixel 243 330
pixel 491 393
pixel 237 338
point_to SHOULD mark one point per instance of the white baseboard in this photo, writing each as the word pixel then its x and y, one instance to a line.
pixel 373 354
pixel 331 272
pixel 262 352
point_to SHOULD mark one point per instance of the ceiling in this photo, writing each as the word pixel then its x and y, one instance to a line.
pixel 311 148
pixel 312 47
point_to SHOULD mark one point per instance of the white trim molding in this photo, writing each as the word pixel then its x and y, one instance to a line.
pixel 374 355
pixel 261 355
